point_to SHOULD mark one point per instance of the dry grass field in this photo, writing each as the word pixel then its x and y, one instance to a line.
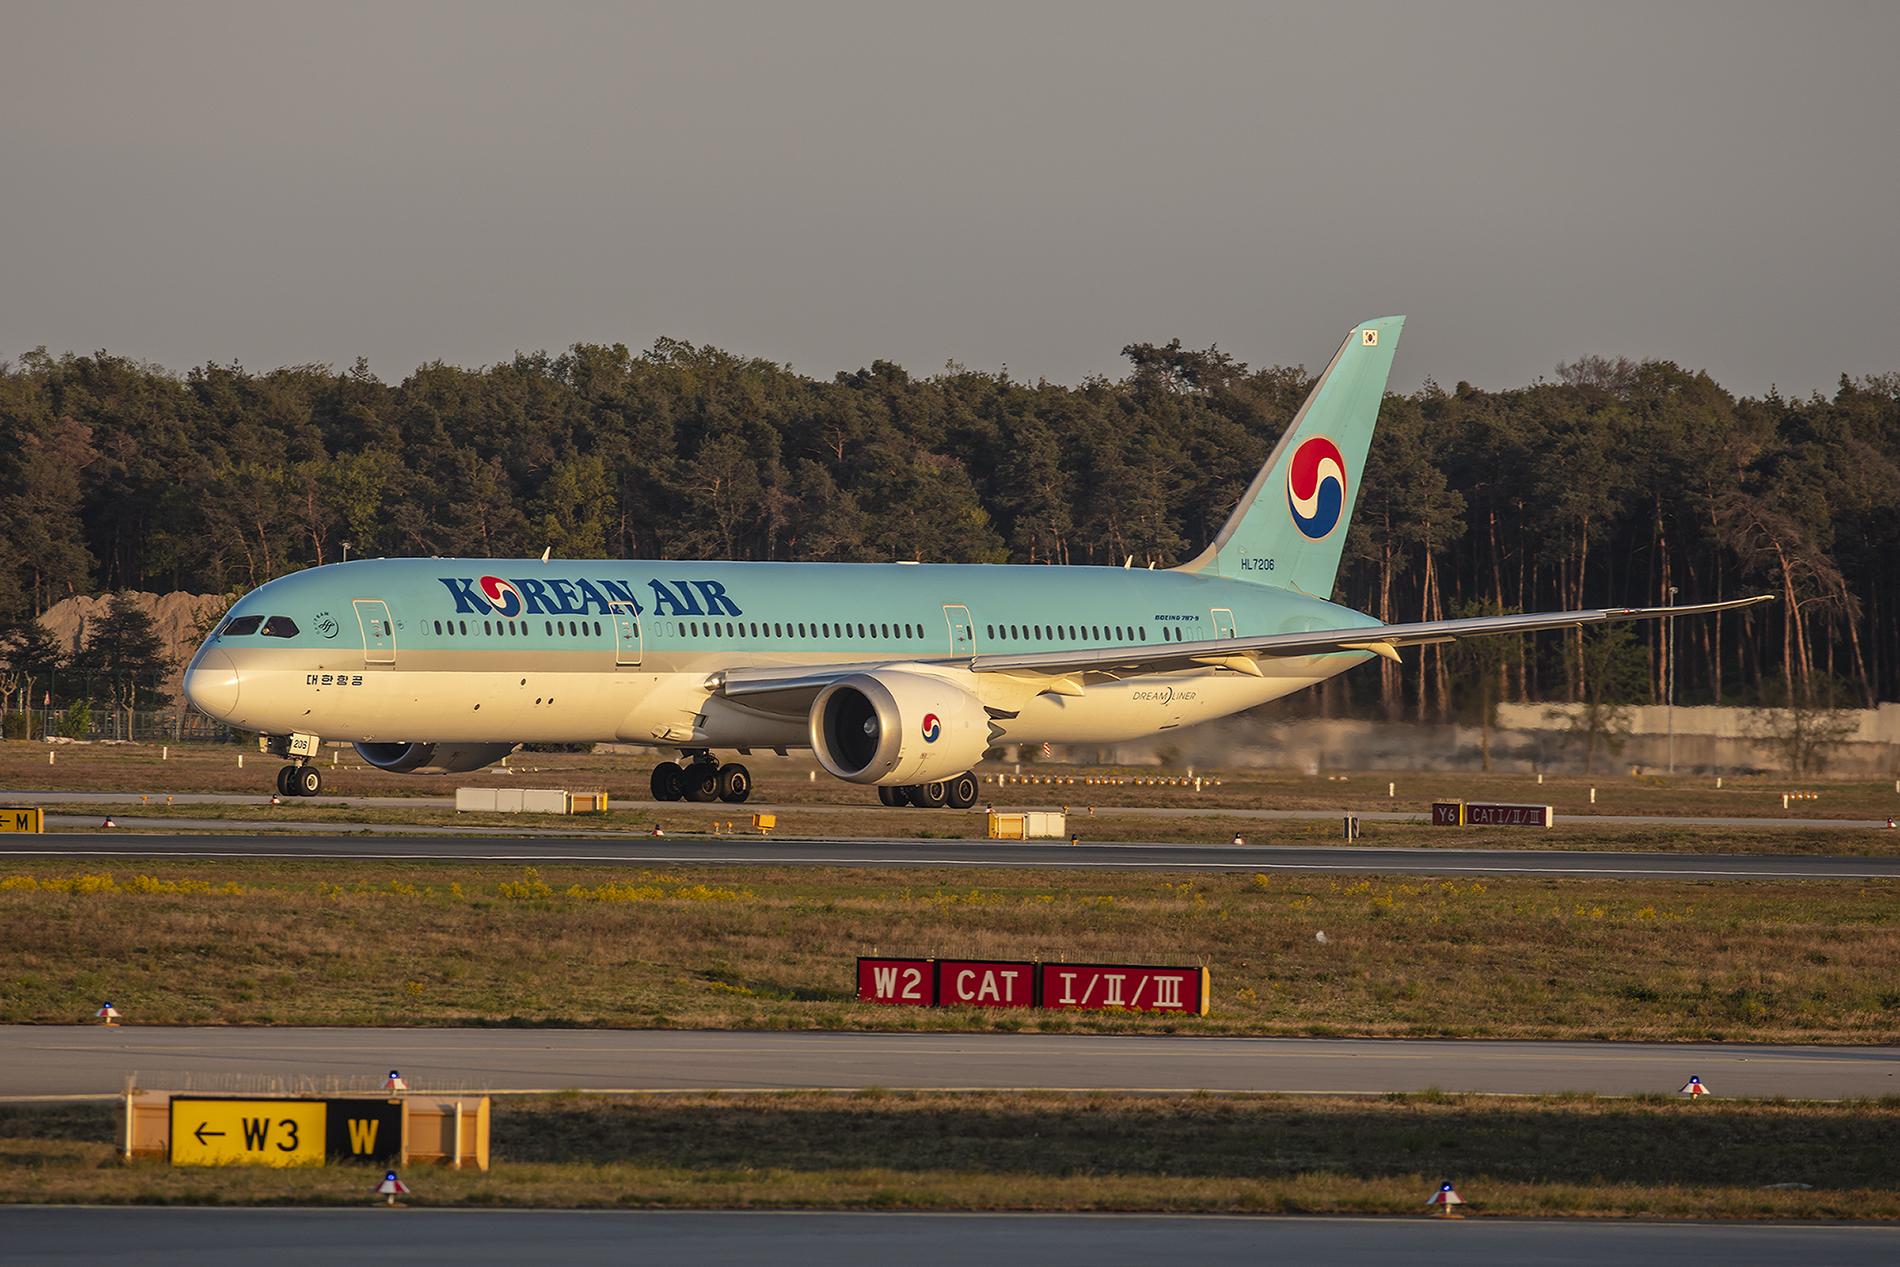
pixel 1554 1155
pixel 826 808
pixel 319 942
pixel 834 822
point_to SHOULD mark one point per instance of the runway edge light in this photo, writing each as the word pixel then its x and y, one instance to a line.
pixel 391 1188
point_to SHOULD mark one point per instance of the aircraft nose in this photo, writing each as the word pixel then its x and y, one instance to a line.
pixel 211 684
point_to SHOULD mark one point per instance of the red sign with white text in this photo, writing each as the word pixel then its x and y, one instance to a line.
pixel 978 983
pixel 1093 987
pixel 899 982
pixel 1507 815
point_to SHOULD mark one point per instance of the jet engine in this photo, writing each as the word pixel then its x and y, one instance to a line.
pixel 432 758
pixel 893 727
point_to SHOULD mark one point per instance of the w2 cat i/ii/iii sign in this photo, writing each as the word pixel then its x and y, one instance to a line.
pixel 1086 987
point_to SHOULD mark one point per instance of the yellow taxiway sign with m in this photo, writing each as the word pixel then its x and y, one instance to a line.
pixel 248 1132
pixel 22 818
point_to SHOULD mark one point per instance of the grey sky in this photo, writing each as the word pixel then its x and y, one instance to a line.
pixel 997 184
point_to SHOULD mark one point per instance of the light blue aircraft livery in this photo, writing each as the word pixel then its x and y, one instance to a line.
pixel 898 675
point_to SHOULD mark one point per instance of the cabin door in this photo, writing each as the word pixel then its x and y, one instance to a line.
pixel 1223 622
pixel 379 637
pixel 962 636
pixel 626 633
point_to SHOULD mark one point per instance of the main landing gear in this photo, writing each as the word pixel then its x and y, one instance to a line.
pixel 702 779
pixel 957 793
pixel 299 780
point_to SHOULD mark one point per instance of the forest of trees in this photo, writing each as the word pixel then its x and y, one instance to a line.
pixel 1604 487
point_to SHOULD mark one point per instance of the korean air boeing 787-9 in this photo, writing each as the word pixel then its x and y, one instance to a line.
pixel 899 675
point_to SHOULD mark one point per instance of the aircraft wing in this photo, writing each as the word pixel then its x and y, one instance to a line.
pixel 1383 640
pixel 792 689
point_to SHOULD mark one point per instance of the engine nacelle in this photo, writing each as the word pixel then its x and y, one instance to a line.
pixel 432 758
pixel 895 728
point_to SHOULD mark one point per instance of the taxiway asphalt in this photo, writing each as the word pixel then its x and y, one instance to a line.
pixel 650 851
pixel 44 1061
pixel 44 1236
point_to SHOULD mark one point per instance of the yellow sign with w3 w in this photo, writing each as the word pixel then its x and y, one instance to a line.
pixel 248 1132
pixel 22 818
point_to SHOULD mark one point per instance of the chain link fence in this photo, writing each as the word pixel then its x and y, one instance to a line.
pixel 170 725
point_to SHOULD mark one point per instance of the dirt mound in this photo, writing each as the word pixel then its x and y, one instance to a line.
pixel 176 617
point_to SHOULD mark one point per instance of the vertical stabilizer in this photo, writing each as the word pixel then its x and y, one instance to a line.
pixel 1291 526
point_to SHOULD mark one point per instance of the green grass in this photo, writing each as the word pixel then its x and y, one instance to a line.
pixel 324 942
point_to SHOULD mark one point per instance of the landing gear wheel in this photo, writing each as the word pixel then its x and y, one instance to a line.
pixel 929 795
pixel 962 791
pixel 308 780
pixel 284 774
pixel 735 783
pixel 669 781
pixel 895 797
pixel 701 781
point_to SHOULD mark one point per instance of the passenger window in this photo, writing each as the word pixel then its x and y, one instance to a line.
pixel 464 625
pixel 1143 631
pixel 283 627
pixel 241 626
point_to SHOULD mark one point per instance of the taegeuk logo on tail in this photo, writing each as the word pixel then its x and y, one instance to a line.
pixel 1316 487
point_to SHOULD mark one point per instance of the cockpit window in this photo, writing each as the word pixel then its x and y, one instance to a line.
pixel 280 627
pixel 240 626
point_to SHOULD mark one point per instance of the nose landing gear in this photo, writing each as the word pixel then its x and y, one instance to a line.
pixel 299 780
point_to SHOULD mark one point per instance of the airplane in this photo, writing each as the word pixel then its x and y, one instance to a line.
pixel 895 675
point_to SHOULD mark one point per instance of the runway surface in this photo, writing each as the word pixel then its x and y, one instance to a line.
pixel 44 1236
pixel 649 851
pixel 55 1061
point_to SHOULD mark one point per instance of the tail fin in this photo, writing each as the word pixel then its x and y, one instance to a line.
pixel 1291 526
